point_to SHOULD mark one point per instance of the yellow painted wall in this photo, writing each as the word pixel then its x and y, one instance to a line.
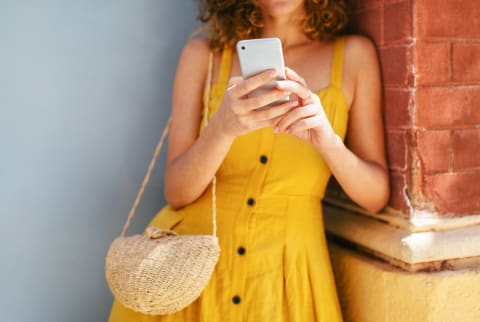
pixel 373 291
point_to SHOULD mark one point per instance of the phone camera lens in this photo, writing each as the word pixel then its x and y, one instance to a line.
pixel 243 47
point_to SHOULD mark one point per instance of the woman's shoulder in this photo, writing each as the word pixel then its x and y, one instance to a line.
pixel 359 44
pixel 200 44
pixel 360 54
pixel 359 48
pixel 359 59
pixel 193 62
pixel 196 49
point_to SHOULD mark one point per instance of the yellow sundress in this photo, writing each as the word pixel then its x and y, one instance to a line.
pixel 274 264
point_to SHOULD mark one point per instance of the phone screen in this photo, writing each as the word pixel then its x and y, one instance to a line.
pixel 258 55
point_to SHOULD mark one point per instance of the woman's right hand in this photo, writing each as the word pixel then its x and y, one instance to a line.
pixel 240 114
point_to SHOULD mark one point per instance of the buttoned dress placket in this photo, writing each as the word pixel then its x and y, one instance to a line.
pixel 244 230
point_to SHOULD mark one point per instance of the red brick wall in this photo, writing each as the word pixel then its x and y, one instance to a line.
pixel 430 56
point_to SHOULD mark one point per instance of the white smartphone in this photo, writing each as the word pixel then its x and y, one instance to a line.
pixel 258 55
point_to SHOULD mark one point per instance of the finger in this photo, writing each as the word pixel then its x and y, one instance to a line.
pixel 312 99
pixel 246 86
pixel 295 87
pixel 302 125
pixel 263 99
pixel 295 115
pixel 266 123
pixel 252 122
pixel 274 112
pixel 291 74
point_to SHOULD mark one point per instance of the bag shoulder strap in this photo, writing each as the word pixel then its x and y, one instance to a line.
pixel 158 148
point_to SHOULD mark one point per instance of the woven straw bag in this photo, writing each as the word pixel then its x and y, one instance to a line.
pixel 161 272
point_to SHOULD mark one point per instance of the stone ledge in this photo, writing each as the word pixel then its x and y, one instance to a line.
pixel 410 250
pixel 373 291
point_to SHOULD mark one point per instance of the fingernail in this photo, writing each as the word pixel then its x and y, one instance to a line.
pixel 293 103
pixel 272 74
pixel 275 129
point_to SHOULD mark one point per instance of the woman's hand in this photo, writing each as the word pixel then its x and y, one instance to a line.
pixel 239 113
pixel 308 121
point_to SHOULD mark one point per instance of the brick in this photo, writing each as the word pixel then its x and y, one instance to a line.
pixel 394 62
pixel 452 19
pixel 368 23
pixel 433 148
pixel 454 193
pixel 466 145
pixel 397 112
pixel 447 107
pixel 397 22
pixel 432 63
pixel 466 63
pixel 397 148
pixel 398 199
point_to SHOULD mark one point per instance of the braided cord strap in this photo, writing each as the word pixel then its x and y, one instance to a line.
pixel 206 112
pixel 151 166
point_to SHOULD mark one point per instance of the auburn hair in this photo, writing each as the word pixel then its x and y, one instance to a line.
pixel 232 20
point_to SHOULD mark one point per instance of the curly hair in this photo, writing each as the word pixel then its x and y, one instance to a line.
pixel 232 20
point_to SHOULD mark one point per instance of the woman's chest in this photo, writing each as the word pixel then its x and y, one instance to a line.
pixel 314 65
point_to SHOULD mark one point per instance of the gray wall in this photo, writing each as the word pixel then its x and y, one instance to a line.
pixel 84 94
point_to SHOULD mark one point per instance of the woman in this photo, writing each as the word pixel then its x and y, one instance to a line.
pixel 272 165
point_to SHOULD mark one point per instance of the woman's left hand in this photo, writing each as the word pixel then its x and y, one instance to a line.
pixel 307 121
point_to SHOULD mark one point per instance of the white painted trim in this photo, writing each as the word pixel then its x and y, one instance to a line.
pixel 400 244
pixel 418 221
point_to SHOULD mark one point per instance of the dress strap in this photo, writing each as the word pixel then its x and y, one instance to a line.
pixel 337 63
pixel 225 66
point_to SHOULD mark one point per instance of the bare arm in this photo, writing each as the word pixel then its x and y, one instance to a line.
pixel 361 168
pixel 188 157
pixel 193 160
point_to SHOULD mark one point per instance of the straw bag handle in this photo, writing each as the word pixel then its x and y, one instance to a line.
pixel 206 100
